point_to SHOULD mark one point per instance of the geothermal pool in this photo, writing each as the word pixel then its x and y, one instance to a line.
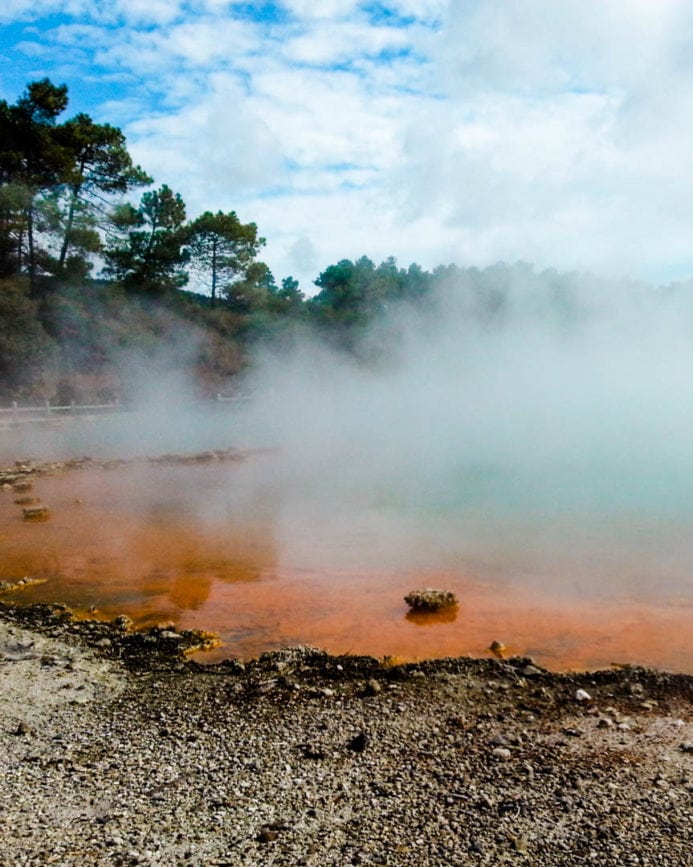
pixel 268 553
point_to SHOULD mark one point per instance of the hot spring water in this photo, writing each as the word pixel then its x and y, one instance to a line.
pixel 579 566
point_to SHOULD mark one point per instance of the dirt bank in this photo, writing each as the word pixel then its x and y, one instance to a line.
pixel 116 750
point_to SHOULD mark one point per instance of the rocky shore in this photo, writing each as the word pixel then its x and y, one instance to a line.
pixel 117 750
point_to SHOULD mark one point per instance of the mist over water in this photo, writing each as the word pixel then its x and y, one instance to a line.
pixel 550 441
pixel 543 446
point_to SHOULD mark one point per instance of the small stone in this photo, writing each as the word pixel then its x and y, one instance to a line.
pixel 502 753
pixel 605 722
pixel 36 513
pixel 22 729
pixel 373 687
pixel 531 671
pixel 582 695
pixel 521 844
pixel 686 747
pixel 122 621
pixel 269 833
pixel 498 649
pixel 359 743
pixel 311 751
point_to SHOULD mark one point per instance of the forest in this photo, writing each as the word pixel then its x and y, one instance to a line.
pixel 94 281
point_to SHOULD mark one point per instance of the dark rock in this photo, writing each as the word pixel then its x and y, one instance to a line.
pixel 359 743
pixel 311 751
pixel 373 687
pixel 430 599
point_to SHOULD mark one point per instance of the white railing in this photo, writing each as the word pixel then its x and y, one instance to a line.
pixel 47 410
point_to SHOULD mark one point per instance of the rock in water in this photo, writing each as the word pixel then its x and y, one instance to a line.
pixel 498 649
pixel 429 599
pixel 36 513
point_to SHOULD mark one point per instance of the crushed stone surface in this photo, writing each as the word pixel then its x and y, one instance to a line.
pixel 304 759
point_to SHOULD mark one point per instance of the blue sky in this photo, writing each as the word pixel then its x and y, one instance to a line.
pixel 432 130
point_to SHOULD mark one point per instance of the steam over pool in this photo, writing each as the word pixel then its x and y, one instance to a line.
pixel 541 456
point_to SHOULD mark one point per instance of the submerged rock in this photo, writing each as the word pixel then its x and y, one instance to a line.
pixel 36 513
pixel 430 599
pixel 21 583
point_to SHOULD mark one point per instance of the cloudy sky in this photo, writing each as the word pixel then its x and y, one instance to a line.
pixel 559 132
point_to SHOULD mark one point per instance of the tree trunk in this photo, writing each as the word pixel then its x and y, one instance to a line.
pixel 32 251
pixel 214 271
pixel 68 227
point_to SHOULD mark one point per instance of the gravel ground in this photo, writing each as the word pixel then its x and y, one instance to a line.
pixel 115 751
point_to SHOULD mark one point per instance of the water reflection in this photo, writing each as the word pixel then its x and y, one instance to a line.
pixel 233 548
pixel 431 618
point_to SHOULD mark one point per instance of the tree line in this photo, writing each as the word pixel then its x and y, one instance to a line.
pixel 62 184
pixel 67 188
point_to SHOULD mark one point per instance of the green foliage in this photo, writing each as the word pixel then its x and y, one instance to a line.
pixel 221 251
pixel 55 180
pixel 353 294
pixel 26 350
pixel 62 205
pixel 100 165
pixel 150 257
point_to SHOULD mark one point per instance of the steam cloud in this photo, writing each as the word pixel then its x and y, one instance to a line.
pixel 543 433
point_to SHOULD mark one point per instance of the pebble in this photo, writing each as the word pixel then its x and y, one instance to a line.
pixel 582 695
pixel 502 753
pixel 373 687
pixel 498 648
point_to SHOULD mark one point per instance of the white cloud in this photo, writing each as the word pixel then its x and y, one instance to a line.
pixel 312 9
pixel 429 10
pixel 32 10
pixel 328 42
pixel 536 130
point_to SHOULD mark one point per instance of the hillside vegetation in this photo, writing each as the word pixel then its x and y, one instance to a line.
pixel 93 287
